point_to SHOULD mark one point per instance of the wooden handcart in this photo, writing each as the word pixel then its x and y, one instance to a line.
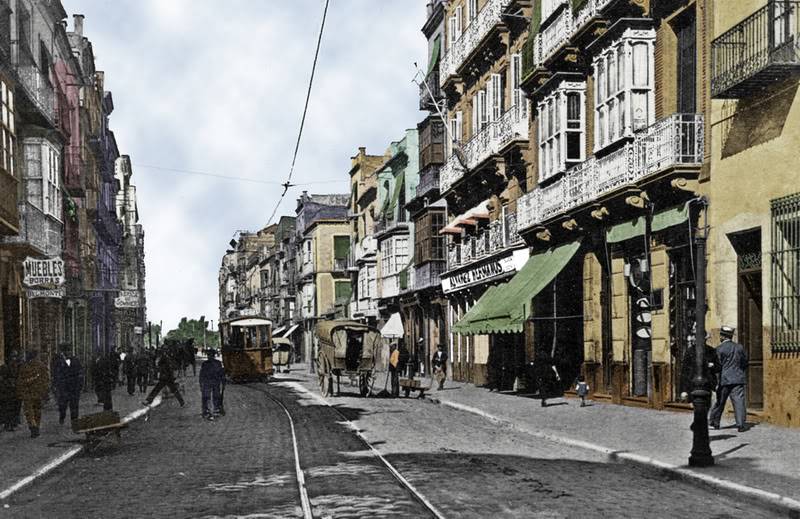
pixel 407 385
pixel 100 428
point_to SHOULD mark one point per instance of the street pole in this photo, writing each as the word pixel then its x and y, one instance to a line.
pixel 701 397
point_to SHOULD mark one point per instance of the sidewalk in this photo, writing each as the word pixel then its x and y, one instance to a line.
pixel 766 458
pixel 24 457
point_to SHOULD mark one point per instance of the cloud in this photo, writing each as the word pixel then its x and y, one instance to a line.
pixel 203 87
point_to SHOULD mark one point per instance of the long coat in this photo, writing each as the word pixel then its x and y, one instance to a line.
pixel 733 361
pixel 67 378
pixel 211 373
pixel 33 380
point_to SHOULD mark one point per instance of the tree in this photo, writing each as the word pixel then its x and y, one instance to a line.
pixel 194 329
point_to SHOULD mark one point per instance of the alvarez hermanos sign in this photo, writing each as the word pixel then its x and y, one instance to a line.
pixel 478 273
pixel 44 273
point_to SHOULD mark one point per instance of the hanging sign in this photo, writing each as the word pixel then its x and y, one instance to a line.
pixel 51 293
pixel 127 299
pixel 44 273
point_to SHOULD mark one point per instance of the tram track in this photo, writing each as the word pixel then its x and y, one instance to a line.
pixel 413 492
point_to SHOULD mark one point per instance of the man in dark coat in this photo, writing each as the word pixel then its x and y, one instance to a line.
pixel 68 382
pixel 129 369
pixel 105 379
pixel 142 362
pixel 547 378
pixel 166 378
pixel 33 383
pixel 212 377
pixel 711 369
pixel 733 377
pixel 439 365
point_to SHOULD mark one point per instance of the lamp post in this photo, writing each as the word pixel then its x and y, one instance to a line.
pixel 701 397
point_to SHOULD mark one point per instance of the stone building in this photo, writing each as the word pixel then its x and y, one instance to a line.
pixel 323 248
pixel 362 262
pixel 751 67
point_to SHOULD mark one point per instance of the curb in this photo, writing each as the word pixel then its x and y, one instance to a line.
pixel 64 457
pixel 771 500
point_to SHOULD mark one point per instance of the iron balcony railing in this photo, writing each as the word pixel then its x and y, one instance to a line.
pixel 38 230
pixel 430 91
pixel 38 88
pixel 511 126
pixel 676 140
pixel 488 17
pixel 499 235
pixel 767 39
pixel 428 181
pixel 429 274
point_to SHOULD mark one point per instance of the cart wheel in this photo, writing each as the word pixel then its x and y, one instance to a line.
pixel 407 392
pixel 364 384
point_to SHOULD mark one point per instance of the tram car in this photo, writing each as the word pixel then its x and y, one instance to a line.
pixel 346 348
pixel 247 349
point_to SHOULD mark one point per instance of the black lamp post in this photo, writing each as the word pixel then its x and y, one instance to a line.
pixel 701 397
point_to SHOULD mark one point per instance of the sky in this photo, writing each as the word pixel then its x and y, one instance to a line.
pixel 218 87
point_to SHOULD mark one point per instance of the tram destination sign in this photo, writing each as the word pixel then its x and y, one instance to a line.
pixel 478 273
pixel 44 273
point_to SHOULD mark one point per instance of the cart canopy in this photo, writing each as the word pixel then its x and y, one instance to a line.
pixel 326 329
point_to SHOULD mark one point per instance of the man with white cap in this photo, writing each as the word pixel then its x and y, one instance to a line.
pixel 733 361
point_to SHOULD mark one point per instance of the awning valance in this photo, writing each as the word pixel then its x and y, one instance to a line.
pixel 502 308
pixel 661 220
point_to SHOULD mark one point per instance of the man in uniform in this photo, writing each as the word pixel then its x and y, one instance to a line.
pixel 212 376
pixel 33 382
pixel 68 382
pixel 733 377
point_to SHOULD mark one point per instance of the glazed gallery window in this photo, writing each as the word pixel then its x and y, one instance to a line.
pixel 624 89
pixel 562 129
pixel 7 144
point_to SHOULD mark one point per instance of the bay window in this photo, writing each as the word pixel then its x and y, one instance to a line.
pixel 562 129
pixel 624 87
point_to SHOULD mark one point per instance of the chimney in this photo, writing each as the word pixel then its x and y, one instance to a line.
pixel 78 23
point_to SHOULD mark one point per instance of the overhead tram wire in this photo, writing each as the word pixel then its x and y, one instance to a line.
pixel 231 177
pixel 288 182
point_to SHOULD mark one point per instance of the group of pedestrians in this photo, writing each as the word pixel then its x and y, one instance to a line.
pixel 401 361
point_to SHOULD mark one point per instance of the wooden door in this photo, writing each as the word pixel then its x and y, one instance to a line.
pixel 751 333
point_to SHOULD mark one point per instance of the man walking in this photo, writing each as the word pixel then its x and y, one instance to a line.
pixel 68 382
pixel 733 377
pixel 33 382
pixel 439 364
pixel 105 380
pixel 394 361
pixel 142 370
pixel 129 368
pixel 166 378
pixel 212 376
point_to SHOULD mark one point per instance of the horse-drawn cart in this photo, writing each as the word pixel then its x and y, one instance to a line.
pixel 346 348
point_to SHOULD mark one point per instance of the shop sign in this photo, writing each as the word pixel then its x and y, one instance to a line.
pixel 127 299
pixel 474 275
pixel 51 293
pixel 138 330
pixel 43 273
pixel 248 312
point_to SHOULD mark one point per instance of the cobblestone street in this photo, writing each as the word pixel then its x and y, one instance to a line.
pixel 177 465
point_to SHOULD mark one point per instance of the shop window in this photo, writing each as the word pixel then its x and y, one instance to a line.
pixel 624 93
pixel 562 129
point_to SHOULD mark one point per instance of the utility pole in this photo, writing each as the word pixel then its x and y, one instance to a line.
pixel 701 397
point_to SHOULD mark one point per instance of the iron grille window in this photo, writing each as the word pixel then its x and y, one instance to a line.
pixel 785 273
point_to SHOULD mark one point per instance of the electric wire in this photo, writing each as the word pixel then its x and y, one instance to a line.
pixel 288 183
pixel 231 177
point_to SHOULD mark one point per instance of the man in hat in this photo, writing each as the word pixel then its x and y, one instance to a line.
pixel 439 364
pixel 33 382
pixel 212 376
pixel 68 382
pixel 733 362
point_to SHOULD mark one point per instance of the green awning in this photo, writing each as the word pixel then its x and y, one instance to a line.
pixel 437 45
pixel 634 228
pixel 503 308
pixel 399 182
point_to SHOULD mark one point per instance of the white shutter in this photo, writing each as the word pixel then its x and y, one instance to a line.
pixel 490 99
pixel 451 32
pixel 497 96
pixel 483 119
pixel 475 116
pixel 459 126
pixel 473 9
pixel 459 22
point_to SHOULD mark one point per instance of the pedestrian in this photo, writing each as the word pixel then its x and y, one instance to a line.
pixel 105 380
pixel 129 369
pixel 166 378
pixel 439 364
pixel 114 364
pixel 12 401
pixel 394 362
pixel 191 356
pixel 94 372
pixel 582 388
pixel 547 377
pixel 142 370
pixel 212 377
pixel 33 382
pixel 68 382
pixel 733 377
pixel 403 358
pixel 8 397
pixel 711 369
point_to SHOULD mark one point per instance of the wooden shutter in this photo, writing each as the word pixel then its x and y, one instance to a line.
pixel 497 97
pixel 451 32
pixel 459 20
pixel 475 114
pixel 459 130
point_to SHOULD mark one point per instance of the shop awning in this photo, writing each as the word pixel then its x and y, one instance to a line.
pixel 276 333
pixel 290 331
pixel 634 228
pixel 393 328
pixel 502 308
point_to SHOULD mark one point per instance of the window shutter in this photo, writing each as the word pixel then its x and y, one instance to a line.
pixel 475 116
pixel 497 97
pixel 459 125
pixel 459 18
pixel 482 113
pixel 341 247
pixel 451 32
pixel 490 99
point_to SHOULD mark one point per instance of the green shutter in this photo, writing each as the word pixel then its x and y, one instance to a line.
pixel 576 5
pixel 341 247
pixel 536 18
pixel 399 185
pixel 437 44
pixel 343 290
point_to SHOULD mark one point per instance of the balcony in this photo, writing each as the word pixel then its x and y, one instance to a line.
pixel 390 286
pixel 74 167
pixel 368 246
pixel 428 182
pixel 428 275
pixel 38 89
pixel 384 225
pixel 307 269
pixel 498 236
pixel 431 142
pixel 757 52
pixel 488 18
pixel 430 92
pixel 677 140
pixel 9 212
pixel 492 140
pixel 39 234
pixel 364 308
